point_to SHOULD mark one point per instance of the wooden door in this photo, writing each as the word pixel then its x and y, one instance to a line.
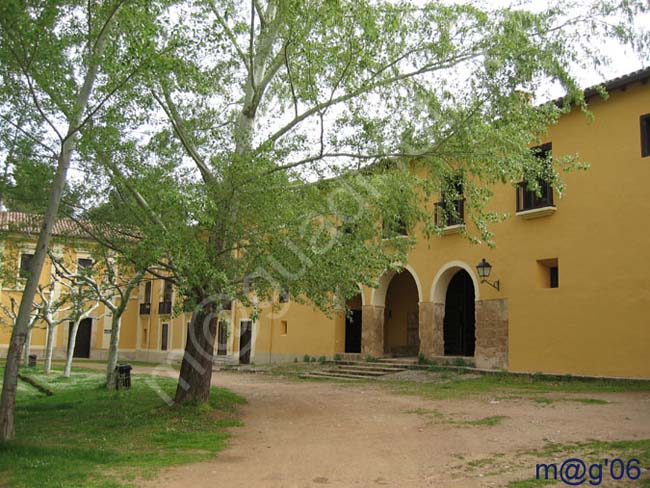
pixel 245 335
pixel 165 337
pixel 222 337
pixel 353 331
pixel 82 344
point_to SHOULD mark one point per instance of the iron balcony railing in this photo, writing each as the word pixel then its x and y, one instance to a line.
pixel 450 213
pixel 530 200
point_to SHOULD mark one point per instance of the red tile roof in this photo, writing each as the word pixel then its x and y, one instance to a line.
pixel 26 223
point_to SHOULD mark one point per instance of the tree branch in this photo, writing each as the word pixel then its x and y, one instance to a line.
pixel 365 88
pixel 179 128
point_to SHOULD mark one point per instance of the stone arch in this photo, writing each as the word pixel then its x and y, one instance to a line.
pixel 444 276
pixel 378 295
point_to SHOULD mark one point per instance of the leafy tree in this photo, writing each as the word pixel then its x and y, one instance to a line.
pixel 110 283
pixel 301 126
pixel 61 64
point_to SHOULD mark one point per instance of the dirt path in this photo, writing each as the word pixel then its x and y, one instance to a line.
pixel 302 434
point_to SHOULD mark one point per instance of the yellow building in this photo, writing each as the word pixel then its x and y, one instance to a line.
pixel 149 332
pixel 573 276
pixel 573 273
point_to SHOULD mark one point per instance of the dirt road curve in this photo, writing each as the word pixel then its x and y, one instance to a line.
pixel 322 434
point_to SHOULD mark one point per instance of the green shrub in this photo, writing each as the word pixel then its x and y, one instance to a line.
pixel 306 358
pixel 459 362
pixel 337 357
pixel 322 359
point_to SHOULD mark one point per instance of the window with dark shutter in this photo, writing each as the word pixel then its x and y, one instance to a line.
pixel 25 264
pixel 527 197
pixel 450 210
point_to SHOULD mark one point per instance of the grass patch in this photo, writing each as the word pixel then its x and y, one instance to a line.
pixel 589 401
pixel 442 418
pixel 586 401
pixel 531 483
pixel 86 436
pixel 487 421
pixel 464 386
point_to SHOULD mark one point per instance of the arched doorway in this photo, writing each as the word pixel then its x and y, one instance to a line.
pixel 353 324
pixel 83 339
pixel 459 319
pixel 401 323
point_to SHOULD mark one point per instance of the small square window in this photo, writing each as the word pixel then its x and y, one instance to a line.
pixel 84 263
pixel 284 327
pixel 548 273
pixel 645 135
pixel 284 296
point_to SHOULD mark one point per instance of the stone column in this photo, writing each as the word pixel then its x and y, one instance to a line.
pixel 438 329
pixel 491 334
pixel 372 330
pixel 426 326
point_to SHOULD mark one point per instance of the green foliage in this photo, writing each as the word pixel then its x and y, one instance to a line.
pixel 322 359
pixel 306 136
pixel 306 358
pixel 337 357
pixel 268 172
pixel 86 436
pixel 465 386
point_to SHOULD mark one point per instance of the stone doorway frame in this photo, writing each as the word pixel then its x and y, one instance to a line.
pixel 490 322
pixel 372 332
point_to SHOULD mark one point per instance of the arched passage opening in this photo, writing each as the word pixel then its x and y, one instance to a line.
pixel 459 319
pixel 353 324
pixel 401 323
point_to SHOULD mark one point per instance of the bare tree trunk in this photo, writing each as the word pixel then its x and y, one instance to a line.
pixel 49 345
pixel 28 346
pixel 196 368
pixel 72 340
pixel 116 323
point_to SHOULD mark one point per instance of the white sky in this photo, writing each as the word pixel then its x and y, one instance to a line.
pixel 621 60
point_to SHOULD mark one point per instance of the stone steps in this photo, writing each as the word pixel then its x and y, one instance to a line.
pixel 363 365
pixel 351 370
pixel 335 375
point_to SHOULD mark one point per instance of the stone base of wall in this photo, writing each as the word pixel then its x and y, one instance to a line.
pixel 439 329
pixel 431 329
pixel 372 330
pixel 491 334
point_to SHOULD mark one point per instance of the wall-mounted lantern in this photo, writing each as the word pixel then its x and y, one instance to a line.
pixel 484 269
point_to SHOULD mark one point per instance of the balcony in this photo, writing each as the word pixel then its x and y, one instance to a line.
pixel 165 308
pixel 531 204
pixel 145 308
pixel 450 215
